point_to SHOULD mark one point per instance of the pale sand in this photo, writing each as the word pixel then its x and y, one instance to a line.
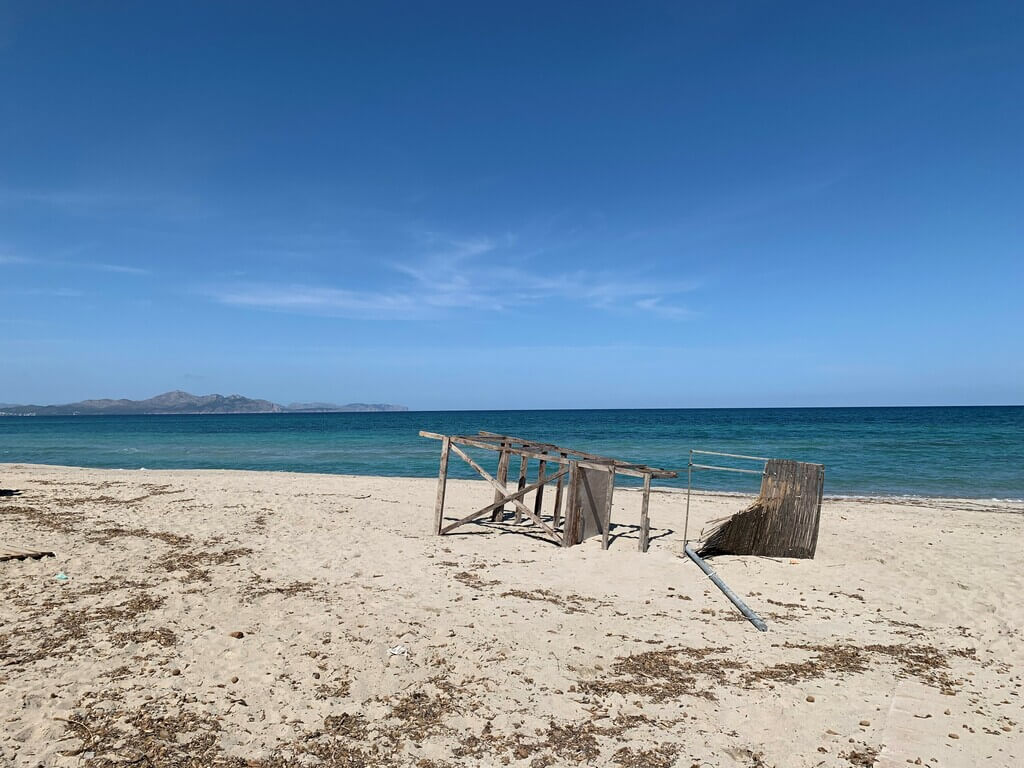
pixel 905 630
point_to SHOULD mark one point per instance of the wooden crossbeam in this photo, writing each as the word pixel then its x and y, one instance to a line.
pixel 503 500
pixel 487 476
pixel 508 439
pixel 540 454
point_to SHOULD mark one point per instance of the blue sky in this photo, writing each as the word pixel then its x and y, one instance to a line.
pixel 522 205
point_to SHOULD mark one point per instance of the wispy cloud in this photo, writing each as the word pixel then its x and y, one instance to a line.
pixel 96 202
pixel 472 273
pixel 124 269
pixel 313 299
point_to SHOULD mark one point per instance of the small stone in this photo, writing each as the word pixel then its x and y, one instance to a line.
pixel 316 675
pixel 810 699
pixel 234 679
pixel 947 712
pixel 953 736
pixel 865 723
pixel 175 672
pixel 238 635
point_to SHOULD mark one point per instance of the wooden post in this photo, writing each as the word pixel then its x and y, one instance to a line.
pixel 442 479
pixel 558 500
pixel 538 502
pixel 645 525
pixel 607 522
pixel 571 529
pixel 522 484
pixel 502 478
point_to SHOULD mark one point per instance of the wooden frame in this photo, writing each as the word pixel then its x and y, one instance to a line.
pixel 566 525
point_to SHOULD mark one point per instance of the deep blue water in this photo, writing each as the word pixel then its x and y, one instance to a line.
pixel 956 451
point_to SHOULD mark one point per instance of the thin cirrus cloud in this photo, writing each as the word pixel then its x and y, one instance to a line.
pixel 125 269
pixel 459 278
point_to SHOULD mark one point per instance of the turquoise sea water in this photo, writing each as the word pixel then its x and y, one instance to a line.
pixel 959 451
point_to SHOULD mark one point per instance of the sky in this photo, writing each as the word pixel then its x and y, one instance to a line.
pixel 514 205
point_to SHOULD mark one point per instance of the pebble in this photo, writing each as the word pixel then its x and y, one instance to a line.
pixel 238 635
pixel 234 679
pixel 316 675
pixel 865 723
pixel 175 672
pixel 953 736
pixel 810 699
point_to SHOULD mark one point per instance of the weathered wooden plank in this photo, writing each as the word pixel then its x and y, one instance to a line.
pixel 558 501
pixel 538 501
pixel 499 511
pixel 511 440
pixel 608 510
pixel 10 552
pixel 442 480
pixel 523 461
pixel 570 530
pixel 645 525
pixel 536 454
pixel 591 498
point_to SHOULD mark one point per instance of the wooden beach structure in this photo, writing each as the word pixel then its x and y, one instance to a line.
pixel 584 484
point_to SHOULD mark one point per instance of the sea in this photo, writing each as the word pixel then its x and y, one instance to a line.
pixel 972 452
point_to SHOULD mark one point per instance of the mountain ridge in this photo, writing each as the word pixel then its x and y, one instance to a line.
pixel 180 402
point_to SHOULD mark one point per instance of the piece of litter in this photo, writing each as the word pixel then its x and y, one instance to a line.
pixel 61 576
pixel 398 650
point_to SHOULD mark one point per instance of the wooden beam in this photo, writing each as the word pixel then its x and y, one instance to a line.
pixel 645 525
pixel 442 479
pixel 538 502
pixel 487 476
pixel 570 531
pixel 523 462
pixel 558 501
pixel 606 524
pixel 536 454
pixel 490 507
pixel 499 511
pixel 509 439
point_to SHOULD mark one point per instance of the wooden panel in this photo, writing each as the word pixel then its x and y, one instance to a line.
pixel 593 497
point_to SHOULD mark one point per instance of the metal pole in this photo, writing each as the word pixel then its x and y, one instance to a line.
pixel 689 483
pixel 754 619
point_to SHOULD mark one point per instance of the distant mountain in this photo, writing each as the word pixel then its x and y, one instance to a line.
pixel 184 403
pixel 350 407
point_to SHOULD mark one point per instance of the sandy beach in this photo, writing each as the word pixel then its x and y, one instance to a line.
pixel 275 619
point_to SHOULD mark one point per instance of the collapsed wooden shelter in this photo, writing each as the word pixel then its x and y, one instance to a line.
pixel 584 485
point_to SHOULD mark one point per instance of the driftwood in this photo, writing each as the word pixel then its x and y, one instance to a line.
pixel 782 521
pixel 10 552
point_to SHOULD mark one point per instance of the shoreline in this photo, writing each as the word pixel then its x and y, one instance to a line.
pixel 913 499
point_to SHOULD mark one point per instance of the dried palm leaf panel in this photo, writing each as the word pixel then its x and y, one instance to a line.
pixel 782 521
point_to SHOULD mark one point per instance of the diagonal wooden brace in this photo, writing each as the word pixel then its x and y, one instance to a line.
pixel 498 486
pixel 504 500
